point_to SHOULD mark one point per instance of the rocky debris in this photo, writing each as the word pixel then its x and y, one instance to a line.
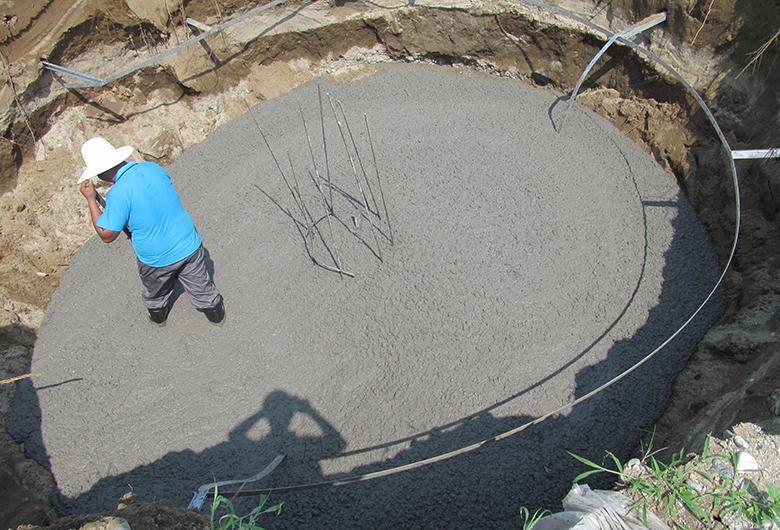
pixel 158 12
pixel 131 513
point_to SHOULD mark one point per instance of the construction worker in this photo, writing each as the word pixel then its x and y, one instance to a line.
pixel 144 203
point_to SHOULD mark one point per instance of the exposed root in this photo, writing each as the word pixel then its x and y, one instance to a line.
pixel 759 52
pixel 709 9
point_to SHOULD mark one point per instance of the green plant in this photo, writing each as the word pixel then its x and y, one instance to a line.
pixel 529 521
pixel 755 511
pixel 665 483
pixel 668 486
pixel 230 520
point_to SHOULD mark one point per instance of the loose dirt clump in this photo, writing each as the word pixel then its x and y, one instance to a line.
pixel 136 514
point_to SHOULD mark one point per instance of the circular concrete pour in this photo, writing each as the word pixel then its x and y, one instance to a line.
pixel 527 267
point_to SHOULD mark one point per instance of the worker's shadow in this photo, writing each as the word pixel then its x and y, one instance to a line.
pixel 250 447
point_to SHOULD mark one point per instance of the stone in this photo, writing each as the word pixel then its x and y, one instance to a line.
pixel 154 11
pixel 158 147
pixel 746 462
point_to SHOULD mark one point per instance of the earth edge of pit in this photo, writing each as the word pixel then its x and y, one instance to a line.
pixel 733 376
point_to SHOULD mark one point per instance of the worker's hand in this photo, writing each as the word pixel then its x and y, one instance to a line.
pixel 88 189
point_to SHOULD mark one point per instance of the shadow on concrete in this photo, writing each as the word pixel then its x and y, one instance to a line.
pixel 178 474
pixel 18 505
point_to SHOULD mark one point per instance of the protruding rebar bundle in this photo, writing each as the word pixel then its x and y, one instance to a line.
pixel 357 179
pixel 325 148
pixel 336 257
pixel 360 162
pixel 349 155
pixel 379 181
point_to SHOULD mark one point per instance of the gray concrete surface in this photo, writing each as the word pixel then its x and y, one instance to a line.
pixel 527 268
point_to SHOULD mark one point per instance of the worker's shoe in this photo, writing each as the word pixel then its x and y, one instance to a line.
pixel 159 316
pixel 216 314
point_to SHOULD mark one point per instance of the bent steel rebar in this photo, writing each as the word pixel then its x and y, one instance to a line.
pixel 379 180
pixel 635 29
pixel 360 161
pixel 336 257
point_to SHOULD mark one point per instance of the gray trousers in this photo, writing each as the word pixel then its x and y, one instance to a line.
pixel 191 272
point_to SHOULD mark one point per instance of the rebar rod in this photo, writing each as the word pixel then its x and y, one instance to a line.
pixel 325 148
pixel 379 181
pixel 366 209
pixel 349 155
pixel 284 177
pixel 310 228
pixel 304 211
pixel 376 239
pixel 336 256
pixel 357 179
pixel 360 161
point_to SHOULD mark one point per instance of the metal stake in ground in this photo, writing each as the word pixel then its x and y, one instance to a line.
pixel 276 161
pixel 379 181
pixel 325 148
pixel 349 155
pixel 336 257
pixel 360 162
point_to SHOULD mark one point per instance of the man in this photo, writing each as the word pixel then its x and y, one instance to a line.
pixel 144 201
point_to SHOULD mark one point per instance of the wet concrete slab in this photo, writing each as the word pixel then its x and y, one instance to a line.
pixel 500 270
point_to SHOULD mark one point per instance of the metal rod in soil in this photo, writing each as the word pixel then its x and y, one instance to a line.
pixel 379 180
pixel 336 256
pixel 325 148
pixel 360 161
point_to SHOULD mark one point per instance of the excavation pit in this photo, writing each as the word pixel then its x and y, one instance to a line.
pixel 525 268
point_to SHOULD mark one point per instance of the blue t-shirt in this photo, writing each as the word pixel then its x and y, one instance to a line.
pixel 143 199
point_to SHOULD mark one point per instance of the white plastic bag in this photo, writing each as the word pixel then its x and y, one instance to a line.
pixel 587 509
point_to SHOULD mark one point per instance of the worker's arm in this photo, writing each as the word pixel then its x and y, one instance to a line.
pixel 88 190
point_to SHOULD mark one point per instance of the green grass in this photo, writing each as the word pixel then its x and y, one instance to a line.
pixel 224 517
pixel 704 486
pixel 529 521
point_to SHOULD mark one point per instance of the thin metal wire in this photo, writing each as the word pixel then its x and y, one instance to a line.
pixel 96 82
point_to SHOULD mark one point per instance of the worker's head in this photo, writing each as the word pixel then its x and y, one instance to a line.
pixel 102 159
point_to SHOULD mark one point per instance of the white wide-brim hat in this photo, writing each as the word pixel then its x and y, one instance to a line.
pixel 101 156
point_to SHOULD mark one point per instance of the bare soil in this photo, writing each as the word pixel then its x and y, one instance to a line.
pixel 165 108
